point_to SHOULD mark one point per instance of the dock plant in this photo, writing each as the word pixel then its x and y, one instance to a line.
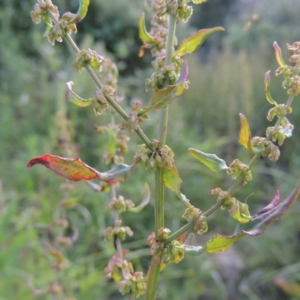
pixel 166 85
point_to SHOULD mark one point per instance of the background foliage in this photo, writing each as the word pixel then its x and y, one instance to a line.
pixel 226 78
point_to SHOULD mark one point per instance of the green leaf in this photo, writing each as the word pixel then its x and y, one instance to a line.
pixel 75 99
pixel 165 96
pixel 162 98
pixel 198 1
pixel 245 134
pixel 172 179
pixel 190 248
pixel 82 11
pixel 191 44
pixel 257 225
pixel 211 161
pixel 267 88
pixel 118 173
pixel 144 35
pixel 144 202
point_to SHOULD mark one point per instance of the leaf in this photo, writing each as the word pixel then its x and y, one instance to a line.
pixel 211 161
pixel 190 248
pixel 221 243
pixel 144 35
pixel 144 202
pixel 245 134
pixel 75 99
pixel 278 55
pixel 256 226
pixel 82 11
pixel 198 1
pixel 75 169
pixel 191 44
pixel 271 205
pixel 165 96
pixel 162 98
pixel 182 81
pixel 118 173
pixel 267 88
pixel 172 179
pixel 240 212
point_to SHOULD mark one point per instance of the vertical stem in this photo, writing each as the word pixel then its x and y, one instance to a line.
pixel 154 269
pixel 169 53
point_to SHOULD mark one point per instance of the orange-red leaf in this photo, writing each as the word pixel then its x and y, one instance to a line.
pixel 73 169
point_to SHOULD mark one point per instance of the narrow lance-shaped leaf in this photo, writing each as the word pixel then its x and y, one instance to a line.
pixel 72 97
pixel 82 11
pixel 198 1
pixel 75 169
pixel 143 33
pixel 257 225
pixel 172 179
pixel 144 202
pixel 278 55
pixel 245 134
pixel 267 88
pixel 213 162
pixel 191 44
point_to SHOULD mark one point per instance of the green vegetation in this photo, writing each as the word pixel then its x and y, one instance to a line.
pixel 224 80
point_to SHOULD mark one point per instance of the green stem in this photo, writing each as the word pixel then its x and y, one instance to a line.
pixel 154 268
pixel 169 54
pixel 110 100
pixel 98 82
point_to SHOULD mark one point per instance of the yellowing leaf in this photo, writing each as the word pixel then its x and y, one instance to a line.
pixel 72 97
pixel 221 243
pixel 198 1
pixel 245 134
pixel 172 179
pixel 191 44
pixel 143 33
pixel 213 162
pixel 278 55
pixel 240 212
pixel 267 88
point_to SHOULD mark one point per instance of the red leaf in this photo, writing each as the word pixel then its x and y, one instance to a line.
pixel 73 169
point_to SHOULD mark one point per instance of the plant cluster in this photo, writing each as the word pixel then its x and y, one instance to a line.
pixel 167 83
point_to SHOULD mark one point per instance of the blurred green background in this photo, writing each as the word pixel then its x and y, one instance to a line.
pixel 226 77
